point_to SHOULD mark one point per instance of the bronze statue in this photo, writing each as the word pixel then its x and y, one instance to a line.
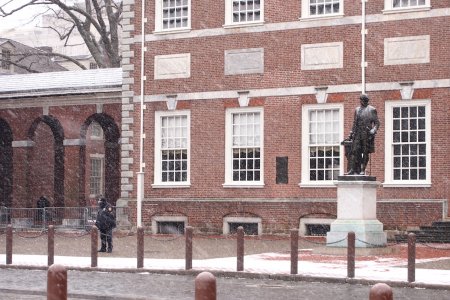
pixel 362 136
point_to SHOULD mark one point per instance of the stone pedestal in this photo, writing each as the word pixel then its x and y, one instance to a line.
pixel 357 212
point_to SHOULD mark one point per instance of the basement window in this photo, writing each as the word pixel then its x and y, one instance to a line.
pixel 252 226
pixel 314 226
pixel 169 224
pixel 170 227
pixel 317 229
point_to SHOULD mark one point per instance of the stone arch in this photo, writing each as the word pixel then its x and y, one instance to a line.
pixel 58 171
pixel 112 156
pixel 6 164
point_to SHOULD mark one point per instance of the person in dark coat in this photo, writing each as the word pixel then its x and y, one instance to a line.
pixel 365 127
pixel 105 222
pixel 42 203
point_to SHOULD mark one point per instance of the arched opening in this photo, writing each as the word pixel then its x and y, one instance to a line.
pixel 6 164
pixel 45 163
pixel 99 166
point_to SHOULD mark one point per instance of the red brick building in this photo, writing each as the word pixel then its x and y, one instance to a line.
pixel 60 137
pixel 246 103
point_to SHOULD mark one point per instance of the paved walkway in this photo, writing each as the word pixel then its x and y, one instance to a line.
pixel 264 256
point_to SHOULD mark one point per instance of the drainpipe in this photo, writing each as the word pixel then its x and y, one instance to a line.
pixel 140 174
pixel 363 47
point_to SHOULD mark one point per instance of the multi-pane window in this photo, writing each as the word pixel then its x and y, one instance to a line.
pixel 246 11
pixel 93 65
pixel 244 147
pixel 408 142
pixel 321 149
pixel 175 14
pixel 323 7
pixel 324 149
pixel 172 15
pixel 6 58
pixel 172 148
pixel 408 3
pixel 96 131
pixel 96 178
pixel 241 12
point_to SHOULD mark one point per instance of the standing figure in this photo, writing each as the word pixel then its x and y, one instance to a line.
pixel 41 204
pixel 365 127
pixel 105 222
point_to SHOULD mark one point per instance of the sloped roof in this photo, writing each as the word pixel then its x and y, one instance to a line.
pixel 32 59
pixel 67 82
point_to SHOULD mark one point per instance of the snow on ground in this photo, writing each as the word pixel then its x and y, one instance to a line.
pixel 383 269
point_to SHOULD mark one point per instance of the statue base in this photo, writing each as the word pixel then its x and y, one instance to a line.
pixel 356 211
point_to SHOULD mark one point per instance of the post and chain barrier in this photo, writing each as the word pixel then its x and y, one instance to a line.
pixel 351 255
pixel 381 291
pixel 140 247
pixel 240 249
pixel 57 282
pixel 94 245
pixel 188 247
pixel 411 257
pixel 51 245
pixel 294 251
pixel 205 286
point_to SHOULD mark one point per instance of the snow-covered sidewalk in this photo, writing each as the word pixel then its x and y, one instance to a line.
pixel 387 269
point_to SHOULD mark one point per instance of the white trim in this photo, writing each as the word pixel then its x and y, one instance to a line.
pixel 388 176
pixel 74 142
pixel 305 182
pixel 301 90
pixel 305 12
pixel 23 144
pixel 389 7
pixel 228 220
pixel 295 25
pixel 158 19
pixel 101 158
pixel 229 153
pixel 229 16
pixel 158 183
pixel 318 52
pixel 156 219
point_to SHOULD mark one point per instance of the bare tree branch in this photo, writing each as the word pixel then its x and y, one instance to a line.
pixel 97 22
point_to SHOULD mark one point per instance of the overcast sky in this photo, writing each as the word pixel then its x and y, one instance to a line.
pixel 23 18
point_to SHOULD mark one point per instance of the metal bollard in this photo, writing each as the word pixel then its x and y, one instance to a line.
pixel 9 244
pixel 381 291
pixel 51 245
pixel 56 283
pixel 351 255
pixel 240 248
pixel 205 286
pixel 140 247
pixel 94 245
pixel 294 251
pixel 188 247
pixel 411 257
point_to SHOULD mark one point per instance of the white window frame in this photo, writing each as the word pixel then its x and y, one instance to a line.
pixel 388 175
pixel 229 149
pixel 159 19
pixel 229 16
pixel 101 158
pixel 389 7
pixel 305 179
pixel 158 183
pixel 306 15
pixel 5 54
pixel 94 136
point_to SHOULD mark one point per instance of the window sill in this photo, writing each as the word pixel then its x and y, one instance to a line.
pixel 238 25
pixel 171 185
pixel 323 17
pixel 405 185
pixel 172 31
pixel 405 10
pixel 244 185
pixel 317 185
